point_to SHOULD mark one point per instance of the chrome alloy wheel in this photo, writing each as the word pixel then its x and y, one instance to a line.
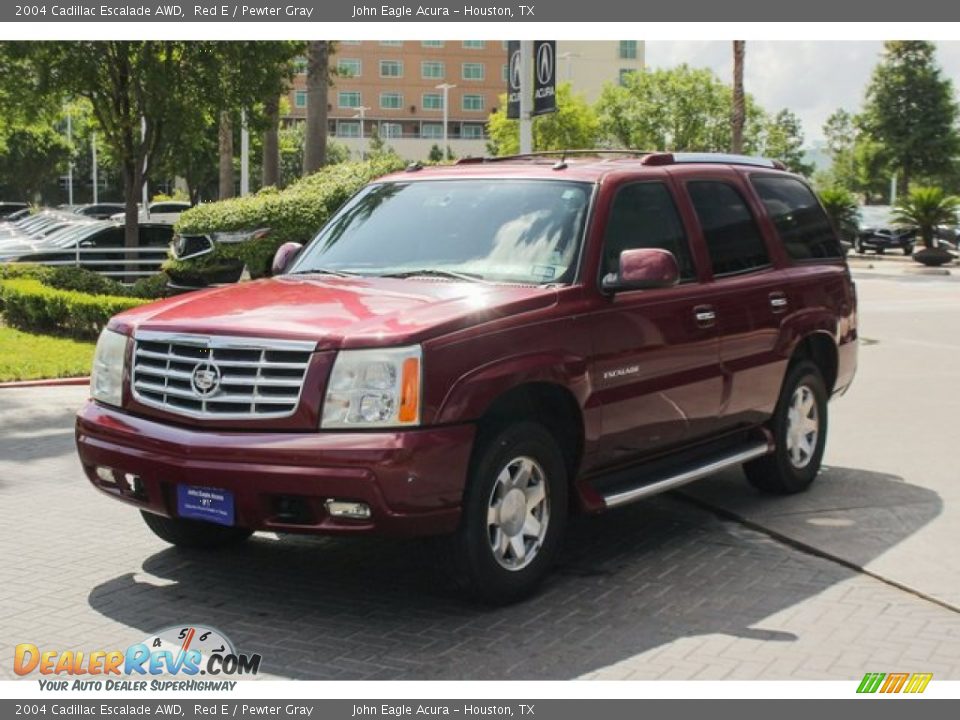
pixel 803 427
pixel 518 513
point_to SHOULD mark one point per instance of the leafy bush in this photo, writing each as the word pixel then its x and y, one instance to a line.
pixel 9 271
pixel 82 280
pixel 30 305
pixel 293 215
pixel 841 207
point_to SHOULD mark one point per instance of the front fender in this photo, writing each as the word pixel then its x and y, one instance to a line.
pixel 473 394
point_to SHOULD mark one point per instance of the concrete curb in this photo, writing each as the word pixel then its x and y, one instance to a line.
pixel 54 382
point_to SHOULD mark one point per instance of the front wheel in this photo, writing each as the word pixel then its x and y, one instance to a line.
pixel 194 533
pixel 799 427
pixel 514 514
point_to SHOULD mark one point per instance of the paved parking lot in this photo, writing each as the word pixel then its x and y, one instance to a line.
pixel 713 582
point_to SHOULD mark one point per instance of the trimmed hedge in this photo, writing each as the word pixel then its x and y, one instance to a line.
pixel 30 305
pixel 293 215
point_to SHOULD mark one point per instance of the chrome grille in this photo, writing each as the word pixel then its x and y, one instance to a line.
pixel 219 377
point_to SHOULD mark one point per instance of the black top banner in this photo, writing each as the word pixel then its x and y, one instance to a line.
pixel 481 11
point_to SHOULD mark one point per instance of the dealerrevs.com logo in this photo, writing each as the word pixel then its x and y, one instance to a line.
pixel 186 651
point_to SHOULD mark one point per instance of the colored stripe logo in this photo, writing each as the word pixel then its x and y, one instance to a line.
pixel 888 683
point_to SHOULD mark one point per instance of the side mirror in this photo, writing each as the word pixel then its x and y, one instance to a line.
pixel 284 257
pixel 643 269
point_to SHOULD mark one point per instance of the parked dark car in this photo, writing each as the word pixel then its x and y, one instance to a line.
pixel 476 351
pixel 878 233
pixel 9 208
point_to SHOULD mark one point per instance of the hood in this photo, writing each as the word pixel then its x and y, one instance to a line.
pixel 337 312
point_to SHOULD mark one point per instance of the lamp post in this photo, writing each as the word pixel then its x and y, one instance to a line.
pixel 361 113
pixel 70 163
pixel 568 56
pixel 446 87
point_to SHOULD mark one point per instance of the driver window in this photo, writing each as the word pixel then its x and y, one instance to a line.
pixel 644 216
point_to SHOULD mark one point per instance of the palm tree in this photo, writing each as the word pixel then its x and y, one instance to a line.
pixel 841 207
pixel 318 81
pixel 925 208
pixel 739 104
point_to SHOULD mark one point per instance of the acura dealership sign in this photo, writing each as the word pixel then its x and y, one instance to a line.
pixel 544 78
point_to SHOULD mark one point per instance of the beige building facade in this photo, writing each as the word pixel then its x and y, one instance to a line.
pixel 396 89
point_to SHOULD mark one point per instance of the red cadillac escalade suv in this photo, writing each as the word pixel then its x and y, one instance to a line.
pixel 477 351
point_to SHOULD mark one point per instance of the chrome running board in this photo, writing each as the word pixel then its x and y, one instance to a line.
pixel 708 466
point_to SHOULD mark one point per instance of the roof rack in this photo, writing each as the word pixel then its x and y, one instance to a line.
pixel 646 157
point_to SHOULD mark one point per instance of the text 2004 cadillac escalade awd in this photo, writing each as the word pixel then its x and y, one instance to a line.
pixel 477 351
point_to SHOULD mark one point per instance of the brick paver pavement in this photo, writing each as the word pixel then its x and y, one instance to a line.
pixel 662 589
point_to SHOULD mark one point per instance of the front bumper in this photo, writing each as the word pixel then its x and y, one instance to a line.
pixel 412 480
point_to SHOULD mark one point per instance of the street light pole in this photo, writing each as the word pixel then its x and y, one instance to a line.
pixel 93 153
pixel 526 96
pixel 361 113
pixel 244 155
pixel 446 87
pixel 70 163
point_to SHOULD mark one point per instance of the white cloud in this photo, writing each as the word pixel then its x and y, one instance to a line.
pixel 812 78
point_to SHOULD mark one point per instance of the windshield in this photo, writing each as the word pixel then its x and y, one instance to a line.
pixel 526 231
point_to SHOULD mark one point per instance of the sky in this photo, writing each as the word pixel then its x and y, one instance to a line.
pixel 811 78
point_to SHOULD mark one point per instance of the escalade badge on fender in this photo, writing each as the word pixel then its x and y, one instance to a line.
pixel 205 380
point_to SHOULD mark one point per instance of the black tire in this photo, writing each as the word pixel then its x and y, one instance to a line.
pixel 881 250
pixel 777 473
pixel 473 562
pixel 194 534
pixel 908 249
pixel 858 246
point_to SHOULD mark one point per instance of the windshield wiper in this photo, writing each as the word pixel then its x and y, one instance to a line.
pixel 325 271
pixel 431 272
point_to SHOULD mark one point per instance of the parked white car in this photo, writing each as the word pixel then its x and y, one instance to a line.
pixel 165 212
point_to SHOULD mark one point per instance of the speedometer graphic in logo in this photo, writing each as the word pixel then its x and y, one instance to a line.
pixel 197 642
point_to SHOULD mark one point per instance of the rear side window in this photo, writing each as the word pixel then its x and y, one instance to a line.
pixel 644 216
pixel 733 239
pixel 804 227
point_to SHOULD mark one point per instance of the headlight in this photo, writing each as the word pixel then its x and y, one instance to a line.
pixel 239 236
pixel 374 388
pixel 106 380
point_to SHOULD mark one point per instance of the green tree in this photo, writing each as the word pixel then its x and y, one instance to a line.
pixel 911 111
pixel 33 159
pixel 678 109
pixel 925 208
pixel 841 206
pixel 573 126
pixel 783 140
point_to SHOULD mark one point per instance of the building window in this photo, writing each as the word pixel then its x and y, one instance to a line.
pixel 471 132
pixel 348 99
pixel 504 72
pixel 473 71
pixel 505 44
pixel 432 43
pixel 472 102
pixel 628 49
pixel 300 66
pixel 392 43
pixel 391 130
pixel 300 99
pixel 432 101
pixel 348 67
pixel 431 70
pixel 348 42
pixel 432 131
pixel 348 128
pixel 624 74
pixel 391 100
pixel 474 44
pixel 391 68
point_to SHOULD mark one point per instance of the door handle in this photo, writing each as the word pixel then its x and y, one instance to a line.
pixel 778 302
pixel 705 315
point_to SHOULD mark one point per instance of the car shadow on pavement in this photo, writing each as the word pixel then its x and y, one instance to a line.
pixel 627 582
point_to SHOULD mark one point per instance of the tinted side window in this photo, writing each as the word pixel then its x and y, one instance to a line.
pixel 732 236
pixel 644 216
pixel 155 236
pixel 802 224
pixel 108 238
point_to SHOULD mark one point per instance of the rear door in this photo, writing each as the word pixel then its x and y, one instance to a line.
pixel 747 296
pixel 655 367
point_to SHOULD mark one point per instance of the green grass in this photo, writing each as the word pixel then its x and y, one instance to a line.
pixel 25 356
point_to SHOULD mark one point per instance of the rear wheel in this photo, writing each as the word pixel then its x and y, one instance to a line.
pixel 514 514
pixel 194 533
pixel 859 247
pixel 799 428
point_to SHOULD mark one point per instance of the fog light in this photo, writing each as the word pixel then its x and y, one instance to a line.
pixel 345 509
pixel 106 475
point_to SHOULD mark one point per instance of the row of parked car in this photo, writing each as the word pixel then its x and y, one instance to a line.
pixel 91 236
